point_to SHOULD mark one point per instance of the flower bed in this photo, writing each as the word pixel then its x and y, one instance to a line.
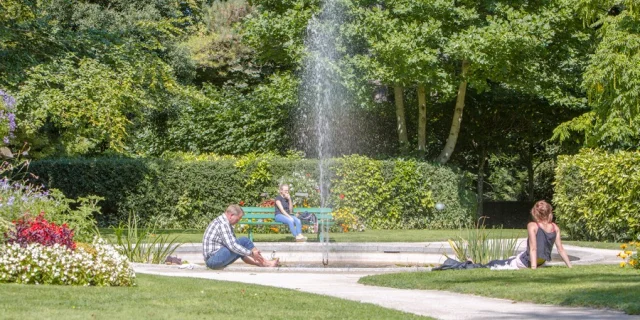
pixel 39 264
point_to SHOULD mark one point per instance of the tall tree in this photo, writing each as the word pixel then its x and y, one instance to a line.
pixel 534 47
pixel 398 93
pixel 611 78
pixel 403 42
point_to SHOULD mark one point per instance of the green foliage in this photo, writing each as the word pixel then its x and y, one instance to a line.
pixel 87 102
pixel 218 50
pixel 87 73
pixel 596 195
pixel 234 122
pixel 78 213
pixel 400 194
pixel 359 183
pixel 190 193
pixel 402 41
pixel 611 78
pixel 276 31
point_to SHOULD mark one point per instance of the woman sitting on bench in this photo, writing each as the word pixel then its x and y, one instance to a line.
pixel 284 213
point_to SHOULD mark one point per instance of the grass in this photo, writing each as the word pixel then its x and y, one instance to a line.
pixel 193 235
pixel 158 297
pixel 598 286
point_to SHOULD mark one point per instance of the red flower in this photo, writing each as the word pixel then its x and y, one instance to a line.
pixel 39 230
pixel 241 203
pixel 341 196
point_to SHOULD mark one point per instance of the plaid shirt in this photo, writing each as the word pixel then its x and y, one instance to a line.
pixel 220 234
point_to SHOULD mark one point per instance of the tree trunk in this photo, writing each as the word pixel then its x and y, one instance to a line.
pixel 457 118
pixel 480 185
pixel 530 174
pixel 422 117
pixel 402 125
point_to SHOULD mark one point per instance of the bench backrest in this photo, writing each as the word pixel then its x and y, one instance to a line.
pixel 268 212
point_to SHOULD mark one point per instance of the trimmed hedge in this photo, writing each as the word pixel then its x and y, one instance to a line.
pixel 180 193
pixel 597 195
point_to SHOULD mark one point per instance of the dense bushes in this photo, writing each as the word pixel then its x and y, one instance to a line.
pixel 400 194
pixel 597 195
pixel 188 193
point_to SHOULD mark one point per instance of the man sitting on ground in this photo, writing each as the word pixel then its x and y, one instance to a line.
pixel 221 248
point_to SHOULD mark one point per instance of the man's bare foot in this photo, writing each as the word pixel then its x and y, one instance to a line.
pixel 271 263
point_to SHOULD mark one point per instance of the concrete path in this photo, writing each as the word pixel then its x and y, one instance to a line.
pixel 437 304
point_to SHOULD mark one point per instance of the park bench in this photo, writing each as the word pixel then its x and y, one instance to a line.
pixel 257 216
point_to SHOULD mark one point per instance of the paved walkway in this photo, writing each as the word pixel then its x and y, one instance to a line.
pixel 437 304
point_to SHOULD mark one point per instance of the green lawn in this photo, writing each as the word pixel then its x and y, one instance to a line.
pixel 158 297
pixel 598 286
pixel 366 236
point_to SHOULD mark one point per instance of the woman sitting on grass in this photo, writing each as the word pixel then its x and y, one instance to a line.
pixel 543 233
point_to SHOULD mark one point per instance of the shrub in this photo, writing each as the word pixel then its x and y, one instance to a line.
pixel 38 230
pixel 189 193
pixel 19 197
pixel 346 220
pixel 401 194
pixel 596 195
pixel 39 264
pixel 302 182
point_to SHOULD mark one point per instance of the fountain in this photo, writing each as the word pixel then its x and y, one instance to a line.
pixel 322 96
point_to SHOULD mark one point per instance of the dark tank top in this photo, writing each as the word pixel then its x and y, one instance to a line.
pixel 544 244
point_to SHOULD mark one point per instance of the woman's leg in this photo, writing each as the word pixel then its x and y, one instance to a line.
pixel 298 224
pixel 288 221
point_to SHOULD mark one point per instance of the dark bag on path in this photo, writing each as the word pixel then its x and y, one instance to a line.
pixel 452 264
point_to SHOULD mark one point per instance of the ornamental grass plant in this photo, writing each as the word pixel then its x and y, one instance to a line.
pixel 144 244
pixel 482 245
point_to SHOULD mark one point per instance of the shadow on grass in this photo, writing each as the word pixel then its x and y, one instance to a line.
pixel 586 286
